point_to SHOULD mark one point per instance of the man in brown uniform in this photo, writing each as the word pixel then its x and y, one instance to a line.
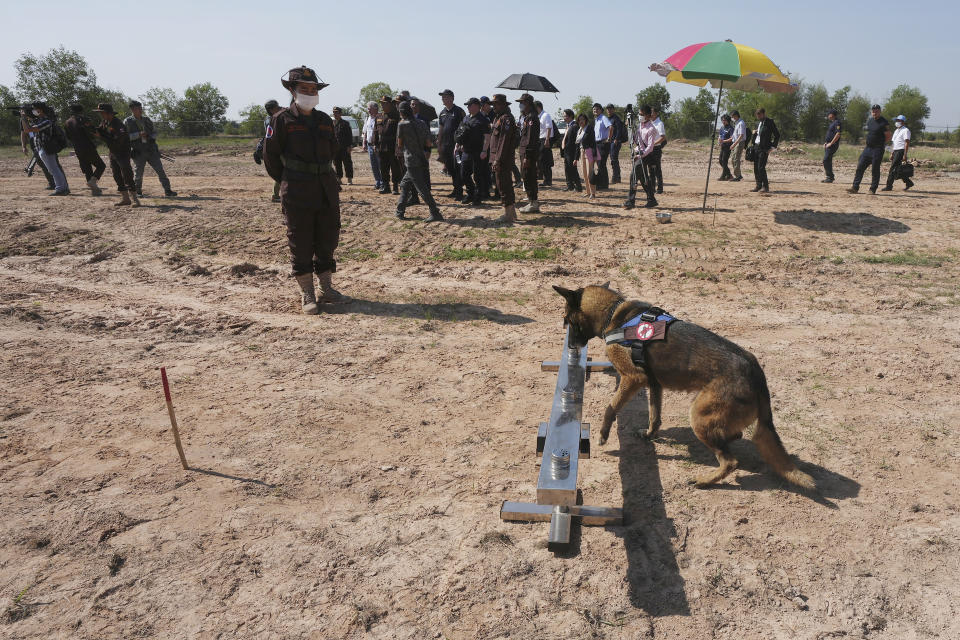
pixel 502 147
pixel 80 133
pixel 343 162
pixel 114 134
pixel 298 152
pixel 529 149
pixel 386 141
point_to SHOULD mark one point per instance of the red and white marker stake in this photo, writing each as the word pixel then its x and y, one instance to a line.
pixel 173 417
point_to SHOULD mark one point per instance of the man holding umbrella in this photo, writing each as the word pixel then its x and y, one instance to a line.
pixel 529 149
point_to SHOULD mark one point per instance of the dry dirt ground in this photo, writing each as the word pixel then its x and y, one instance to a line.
pixel 348 468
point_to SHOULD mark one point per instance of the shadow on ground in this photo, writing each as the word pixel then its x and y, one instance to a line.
pixel 437 311
pixel 652 571
pixel 862 224
pixel 227 476
pixel 830 485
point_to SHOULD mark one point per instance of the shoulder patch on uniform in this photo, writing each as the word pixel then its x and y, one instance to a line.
pixel 269 131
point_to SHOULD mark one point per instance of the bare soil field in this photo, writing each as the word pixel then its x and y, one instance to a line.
pixel 348 468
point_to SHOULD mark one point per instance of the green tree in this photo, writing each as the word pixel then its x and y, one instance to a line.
pixel 910 102
pixel 783 108
pixel 657 96
pixel 839 101
pixel 162 105
pixel 584 104
pixel 9 119
pixel 251 120
pixel 59 78
pixel 858 109
pixel 369 93
pixel 693 117
pixel 202 110
pixel 814 104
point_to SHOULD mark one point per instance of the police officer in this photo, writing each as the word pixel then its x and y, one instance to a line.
pixel 114 134
pixel 386 141
pixel 80 132
pixel 878 133
pixel 298 152
pixel 529 149
pixel 343 163
pixel 450 118
pixel 471 146
pixel 502 147
pixel 144 149
pixel 831 144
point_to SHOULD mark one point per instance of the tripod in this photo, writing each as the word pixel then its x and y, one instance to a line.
pixel 638 170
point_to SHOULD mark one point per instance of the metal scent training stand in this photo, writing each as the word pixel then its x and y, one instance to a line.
pixel 563 441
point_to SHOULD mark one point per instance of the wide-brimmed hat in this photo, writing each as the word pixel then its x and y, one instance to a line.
pixel 302 74
pixel 526 97
pixel 499 98
pixel 105 107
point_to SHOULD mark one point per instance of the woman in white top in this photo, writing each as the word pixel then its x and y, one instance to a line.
pixel 901 145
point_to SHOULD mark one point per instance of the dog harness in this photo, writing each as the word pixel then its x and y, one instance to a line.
pixel 648 325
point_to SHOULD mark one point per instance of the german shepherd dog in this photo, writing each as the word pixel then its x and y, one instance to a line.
pixel 732 387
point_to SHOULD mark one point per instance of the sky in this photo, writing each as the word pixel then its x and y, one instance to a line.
pixel 601 49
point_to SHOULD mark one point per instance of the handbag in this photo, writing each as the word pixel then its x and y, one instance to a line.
pixel 751 154
pixel 906 170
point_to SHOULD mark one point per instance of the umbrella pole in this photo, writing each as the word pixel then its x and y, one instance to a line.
pixel 713 141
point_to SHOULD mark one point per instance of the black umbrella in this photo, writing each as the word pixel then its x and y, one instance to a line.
pixel 528 82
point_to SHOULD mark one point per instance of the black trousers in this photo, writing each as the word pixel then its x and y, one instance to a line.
pixel 725 161
pixel 122 172
pixel 895 161
pixel 602 179
pixel 485 178
pixel 655 160
pixel 343 163
pixel 642 176
pixel 311 212
pixel 872 157
pixel 417 179
pixel 570 172
pixel 390 164
pixel 530 176
pixel 615 161
pixel 546 164
pixel 760 168
pixel 472 172
pixel 91 164
pixel 450 163
pixel 828 162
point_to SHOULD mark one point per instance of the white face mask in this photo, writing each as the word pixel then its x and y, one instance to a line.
pixel 36 112
pixel 305 102
pixel 899 123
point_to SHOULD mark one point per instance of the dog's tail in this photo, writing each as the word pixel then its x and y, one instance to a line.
pixel 768 441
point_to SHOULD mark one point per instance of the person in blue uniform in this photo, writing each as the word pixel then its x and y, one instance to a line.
pixel 878 133
pixel 830 144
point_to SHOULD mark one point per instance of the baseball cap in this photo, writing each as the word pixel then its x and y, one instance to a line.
pixel 446 92
pixel 470 102
pixel 876 106
pixel 484 99
pixel 900 117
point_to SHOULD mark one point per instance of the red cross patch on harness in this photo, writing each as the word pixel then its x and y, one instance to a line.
pixel 269 131
pixel 645 331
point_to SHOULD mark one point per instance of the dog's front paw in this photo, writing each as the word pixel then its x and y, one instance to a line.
pixel 649 434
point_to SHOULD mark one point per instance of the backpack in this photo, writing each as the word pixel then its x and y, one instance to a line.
pixel 57 141
pixel 620 131
pixel 555 136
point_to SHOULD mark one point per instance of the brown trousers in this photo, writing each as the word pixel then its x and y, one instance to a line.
pixel 311 211
pixel 504 177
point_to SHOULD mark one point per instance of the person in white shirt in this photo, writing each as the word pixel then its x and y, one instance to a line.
pixel 546 153
pixel 369 130
pixel 739 142
pixel 901 145
pixel 655 161
pixel 644 144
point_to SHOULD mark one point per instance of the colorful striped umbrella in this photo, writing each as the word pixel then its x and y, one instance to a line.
pixel 725 65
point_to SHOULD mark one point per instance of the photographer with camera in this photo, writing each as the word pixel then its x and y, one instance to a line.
pixel 25 113
pixel 144 149
pixel 49 140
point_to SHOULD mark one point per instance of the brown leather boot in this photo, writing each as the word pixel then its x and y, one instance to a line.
pixel 327 293
pixel 133 198
pixel 124 199
pixel 308 297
